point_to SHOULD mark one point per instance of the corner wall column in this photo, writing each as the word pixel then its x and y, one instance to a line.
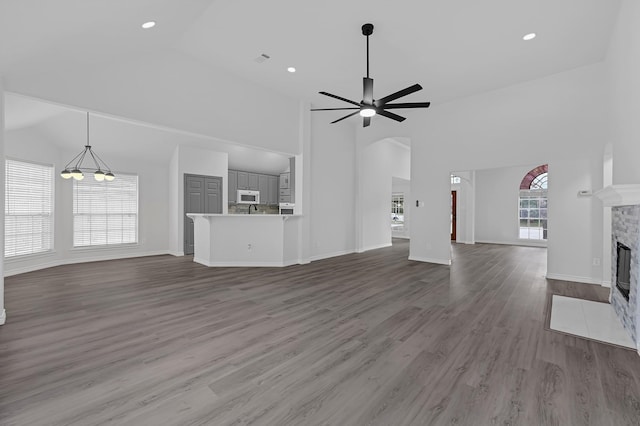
pixel 3 312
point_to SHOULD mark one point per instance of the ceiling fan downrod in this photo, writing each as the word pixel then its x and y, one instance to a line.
pixel 367 30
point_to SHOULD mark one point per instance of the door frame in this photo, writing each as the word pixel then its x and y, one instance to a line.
pixel 454 213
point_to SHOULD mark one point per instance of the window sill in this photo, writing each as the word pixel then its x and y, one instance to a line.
pixel 110 247
pixel 26 257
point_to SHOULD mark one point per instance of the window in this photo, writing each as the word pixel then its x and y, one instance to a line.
pixel 397 212
pixel 105 213
pixel 533 204
pixel 28 208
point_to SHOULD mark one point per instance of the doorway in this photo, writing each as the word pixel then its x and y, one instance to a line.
pixel 454 202
pixel 202 194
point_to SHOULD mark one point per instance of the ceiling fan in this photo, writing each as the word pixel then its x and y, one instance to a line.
pixel 369 107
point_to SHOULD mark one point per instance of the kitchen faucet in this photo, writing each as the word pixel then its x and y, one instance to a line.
pixel 254 207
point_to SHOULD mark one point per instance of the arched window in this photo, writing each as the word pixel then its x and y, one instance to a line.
pixel 532 213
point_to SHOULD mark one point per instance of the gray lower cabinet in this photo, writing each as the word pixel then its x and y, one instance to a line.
pixel 233 186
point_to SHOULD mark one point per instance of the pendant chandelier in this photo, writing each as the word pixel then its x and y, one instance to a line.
pixel 74 168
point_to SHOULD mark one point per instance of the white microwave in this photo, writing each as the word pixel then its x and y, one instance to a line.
pixel 246 196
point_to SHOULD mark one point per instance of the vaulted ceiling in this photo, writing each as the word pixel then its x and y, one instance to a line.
pixel 452 48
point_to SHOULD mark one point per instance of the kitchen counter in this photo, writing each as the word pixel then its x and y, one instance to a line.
pixel 235 240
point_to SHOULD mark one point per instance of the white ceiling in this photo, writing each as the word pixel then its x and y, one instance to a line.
pixel 452 48
pixel 112 136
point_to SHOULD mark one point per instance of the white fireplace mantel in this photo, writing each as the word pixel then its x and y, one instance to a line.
pixel 619 195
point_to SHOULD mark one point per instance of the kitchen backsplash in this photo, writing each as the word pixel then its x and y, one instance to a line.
pixel 244 208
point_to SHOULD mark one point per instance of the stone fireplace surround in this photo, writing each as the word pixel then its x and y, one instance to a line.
pixel 624 201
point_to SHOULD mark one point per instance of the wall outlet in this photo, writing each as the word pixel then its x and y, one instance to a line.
pixel 596 261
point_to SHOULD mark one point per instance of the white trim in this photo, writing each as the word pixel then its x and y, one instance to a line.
pixel 606 283
pixel 574 278
pixel 3 317
pixel 176 253
pixel 431 260
pixel 60 262
pixel 379 246
pixel 524 243
pixel 328 255
pixel 242 264
pixel 619 195
pixel 403 236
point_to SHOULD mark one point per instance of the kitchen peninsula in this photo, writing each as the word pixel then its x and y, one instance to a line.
pixel 246 240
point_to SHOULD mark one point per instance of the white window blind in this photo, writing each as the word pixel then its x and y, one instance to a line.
pixel 105 213
pixel 28 208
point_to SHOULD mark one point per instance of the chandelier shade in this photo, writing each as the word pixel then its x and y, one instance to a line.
pixel 74 168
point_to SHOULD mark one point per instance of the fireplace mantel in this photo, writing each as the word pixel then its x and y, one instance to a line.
pixel 619 195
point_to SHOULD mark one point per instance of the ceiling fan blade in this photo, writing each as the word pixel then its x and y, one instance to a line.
pixel 366 121
pixel 367 90
pixel 339 97
pixel 391 115
pixel 346 116
pixel 408 105
pixel 404 92
pixel 331 109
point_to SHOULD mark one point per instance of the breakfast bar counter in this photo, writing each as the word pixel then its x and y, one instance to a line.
pixel 246 240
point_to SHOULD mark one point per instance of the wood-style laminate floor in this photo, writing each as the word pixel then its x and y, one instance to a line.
pixel 355 340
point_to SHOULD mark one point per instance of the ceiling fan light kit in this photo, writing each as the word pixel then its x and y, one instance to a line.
pixel 369 107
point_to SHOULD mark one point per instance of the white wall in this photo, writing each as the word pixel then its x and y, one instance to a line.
pixel 560 117
pixel 623 78
pixel 173 90
pixel 3 314
pixel 465 207
pixel 497 193
pixel 31 145
pixel 575 223
pixel 379 163
pixel 190 160
pixel 332 189
pixel 402 186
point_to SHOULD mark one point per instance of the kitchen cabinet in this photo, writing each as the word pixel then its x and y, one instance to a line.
pixel 284 180
pixel 253 181
pixel 287 183
pixel 232 184
pixel 263 187
pixel 243 180
pixel 272 191
pixel 266 184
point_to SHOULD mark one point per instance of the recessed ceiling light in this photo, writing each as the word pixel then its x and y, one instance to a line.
pixel 149 24
pixel 529 36
pixel 291 69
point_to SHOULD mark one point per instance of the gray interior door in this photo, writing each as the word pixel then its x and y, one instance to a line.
pixel 202 194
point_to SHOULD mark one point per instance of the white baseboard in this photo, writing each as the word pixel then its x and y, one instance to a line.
pixel 379 246
pixel 176 253
pixel 243 264
pixel 431 260
pixel 606 284
pixel 59 262
pixel 329 255
pixel 514 243
pixel 3 317
pixel 574 278
pixel 404 237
